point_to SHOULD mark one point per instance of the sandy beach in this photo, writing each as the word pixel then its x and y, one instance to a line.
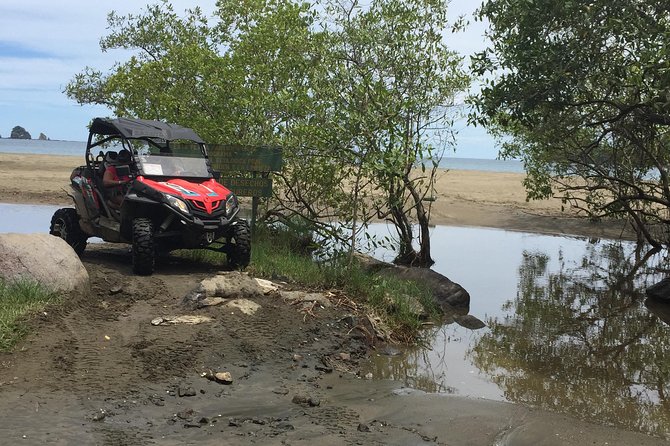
pixel 464 198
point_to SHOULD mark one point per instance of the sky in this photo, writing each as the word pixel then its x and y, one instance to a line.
pixel 44 44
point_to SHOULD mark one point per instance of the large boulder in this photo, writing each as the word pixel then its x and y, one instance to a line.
pixel 660 290
pixel 447 294
pixel 43 258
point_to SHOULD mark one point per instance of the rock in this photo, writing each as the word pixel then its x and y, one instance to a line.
pixel 370 264
pixel 285 426
pixel 223 377
pixel 116 289
pixel 186 391
pixel 323 368
pixel 414 306
pixel 19 132
pixel 244 305
pixel 184 319
pixel 185 414
pixel 660 290
pixel 266 286
pixel 157 400
pixel 210 302
pixel 389 350
pixel 44 259
pixel 300 399
pixel 375 325
pixel 306 400
pixel 661 308
pixel 297 357
pixel 99 416
pixel 445 292
pixel 469 321
pixel 344 356
pixel 219 377
pixel 362 427
pixel 301 296
pixel 231 285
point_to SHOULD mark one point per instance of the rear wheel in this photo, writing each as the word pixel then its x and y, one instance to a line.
pixel 65 224
pixel 239 245
pixel 144 253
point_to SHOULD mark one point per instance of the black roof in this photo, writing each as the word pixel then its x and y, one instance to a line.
pixel 143 128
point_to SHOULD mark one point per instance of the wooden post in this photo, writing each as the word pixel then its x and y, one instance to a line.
pixel 254 210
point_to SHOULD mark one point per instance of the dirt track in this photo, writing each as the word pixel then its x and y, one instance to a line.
pixel 97 371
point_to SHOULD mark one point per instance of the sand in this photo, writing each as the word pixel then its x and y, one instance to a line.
pixel 463 198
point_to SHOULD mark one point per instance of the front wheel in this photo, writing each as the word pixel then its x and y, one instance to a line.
pixel 65 224
pixel 144 253
pixel 239 245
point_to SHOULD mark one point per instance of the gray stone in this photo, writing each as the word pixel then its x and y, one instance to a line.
pixel 660 290
pixel 44 259
pixel 230 285
pixel 301 296
pixel 445 292
pixel 186 391
pixel 448 295
pixel 469 321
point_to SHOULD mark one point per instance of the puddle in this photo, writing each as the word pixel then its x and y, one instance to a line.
pixel 26 218
pixel 567 328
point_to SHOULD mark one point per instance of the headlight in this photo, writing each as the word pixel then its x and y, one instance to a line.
pixel 231 203
pixel 177 203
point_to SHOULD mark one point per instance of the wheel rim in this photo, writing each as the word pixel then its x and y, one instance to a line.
pixel 61 229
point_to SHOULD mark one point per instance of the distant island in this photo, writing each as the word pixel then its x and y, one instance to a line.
pixel 19 132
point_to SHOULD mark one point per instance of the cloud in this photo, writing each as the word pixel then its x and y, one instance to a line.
pixel 44 44
pixel 15 49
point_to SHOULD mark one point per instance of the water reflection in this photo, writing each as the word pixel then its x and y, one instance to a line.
pixel 579 339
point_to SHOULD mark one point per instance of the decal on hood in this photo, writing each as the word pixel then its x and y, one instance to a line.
pixel 181 189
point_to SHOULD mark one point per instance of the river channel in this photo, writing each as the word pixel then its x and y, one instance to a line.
pixel 569 328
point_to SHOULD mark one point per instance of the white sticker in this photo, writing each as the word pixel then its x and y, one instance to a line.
pixel 152 169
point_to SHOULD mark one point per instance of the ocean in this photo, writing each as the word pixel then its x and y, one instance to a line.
pixel 76 148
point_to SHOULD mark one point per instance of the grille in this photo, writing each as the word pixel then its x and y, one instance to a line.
pixel 198 209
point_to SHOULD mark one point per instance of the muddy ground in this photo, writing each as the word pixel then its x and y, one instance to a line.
pixel 96 371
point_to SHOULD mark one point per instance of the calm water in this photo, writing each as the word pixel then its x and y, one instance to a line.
pixel 70 148
pixel 568 328
pixel 76 148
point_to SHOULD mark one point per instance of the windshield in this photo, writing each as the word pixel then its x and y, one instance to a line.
pixel 173 160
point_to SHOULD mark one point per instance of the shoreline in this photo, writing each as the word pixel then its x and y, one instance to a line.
pixel 468 198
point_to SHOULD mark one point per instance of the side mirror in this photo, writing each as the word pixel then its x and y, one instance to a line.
pixel 216 174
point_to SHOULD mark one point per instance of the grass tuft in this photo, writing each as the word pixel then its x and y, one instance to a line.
pixel 402 304
pixel 17 301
